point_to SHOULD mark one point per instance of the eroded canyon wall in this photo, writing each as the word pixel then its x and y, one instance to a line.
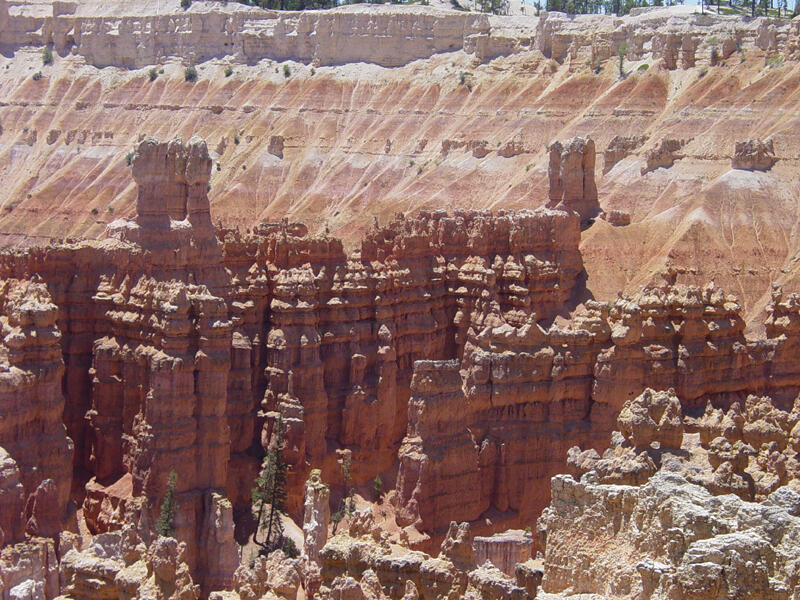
pixel 461 348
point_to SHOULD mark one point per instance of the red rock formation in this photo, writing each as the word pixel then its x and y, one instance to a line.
pixel 444 345
pixel 37 453
pixel 571 174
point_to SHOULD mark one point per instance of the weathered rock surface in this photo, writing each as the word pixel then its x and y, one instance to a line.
pixel 664 155
pixel 753 155
pixel 619 147
pixel 677 532
pixel 448 346
pixel 504 550
pixel 119 565
pixel 571 175
pixel 370 568
pixel 37 455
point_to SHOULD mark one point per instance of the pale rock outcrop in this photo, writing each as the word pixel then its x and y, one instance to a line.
pixel 652 417
pixel 664 155
pixel 680 533
pixel 504 550
pixel 571 175
pixel 274 574
pixel 619 147
pixel 753 155
pixel 316 515
pixel 119 565
pixel 369 568
pixel 29 570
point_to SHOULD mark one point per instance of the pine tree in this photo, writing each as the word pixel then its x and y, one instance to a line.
pixel 269 494
pixel 165 525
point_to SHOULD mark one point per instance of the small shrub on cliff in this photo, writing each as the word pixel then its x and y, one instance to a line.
pixel 702 73
pixel 773 61
pixel 47 56
pixel 129 158
pixel 37 76
pixel 165 525
pixel 190 74
pixel 152 74
pixel 465 79
pixel 286 71
pixel 643 67
pixel 289 548
pixel 236 138
pixel 228 71
pixel 95 211
pixel 621 52
pixel 377 487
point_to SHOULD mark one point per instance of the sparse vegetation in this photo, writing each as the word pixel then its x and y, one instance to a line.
pixel 269 495
pixel 152 74
pixel 37 76
pixel 165 525
pixel 773 61
pixel 465 79
pixel 219 167
pixel 186 3
pixel 129 158
pixel 313 71
pixel 347 506
pixel 95 211
pixel 742 55
pixel 161 71
pixel 286 71
pixel 621 52
pixel 702 72
pixel 228 71
pixel 643 67
pixel 236 139
pixel 713 41
pixel 377 487
pixel 528 167
pixel 289 548
pixel 190 74
pixel 47 56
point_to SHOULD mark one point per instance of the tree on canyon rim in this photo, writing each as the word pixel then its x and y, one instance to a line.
pixel 269 494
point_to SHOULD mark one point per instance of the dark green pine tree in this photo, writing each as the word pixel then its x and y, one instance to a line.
pixel 269 494
pixel 165 525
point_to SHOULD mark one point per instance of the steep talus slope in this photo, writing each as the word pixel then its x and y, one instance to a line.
pixel 457 114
